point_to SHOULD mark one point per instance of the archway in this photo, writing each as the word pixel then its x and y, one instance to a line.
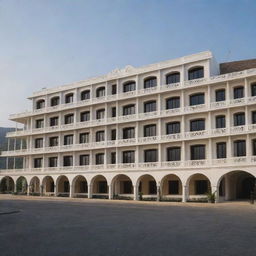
pixel 122 187
pixel 21 185
pixel 62 186
pixel 236 185
pixel 147 187
pixel 99 187
pixel 171 188
pixel 80 186
pixel 7 185
pixel 198 187
pixel 34 186
pixel 48 186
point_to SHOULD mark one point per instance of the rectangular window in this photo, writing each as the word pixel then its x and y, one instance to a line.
pixel 254 147
pixel 238 92
pixel 84 159
pixel 173 154
pixel 129 133
pixel 68 139
pixel 220 95
pixel 54 121
pixel 100 136
pixel 152 187
pixel 220 122
pixel 54 141
pixel 53 161
pixel 173 187
pixel 173 78
pixel 40 123
pixel 113 112
pixel 38 162
pixel 103 187
pixel 239 148
pixel 84 137
pixel 221 150
pixel 196 99
pixel 150 106
pixel 196 73
pixel 69 119
pixel 150 130
pixel 253 89
pixel 197 152
pixel 173 103
pixel 197 125
pixel 130 86
pixel 67 161
pixel 201 187
pixel 239 119
pixel 127 187
pixel 113 89
pixel 253 117
pixel 39 143
pixel 55 101
pixel 85 116
pixel 128 157
pixel 113 134
pixel 129 110
pixel 173 127
pixel 150 155
pixel 99 158
pixel 69 98
pixel 100 114
pixel 85 95
pixel 113 157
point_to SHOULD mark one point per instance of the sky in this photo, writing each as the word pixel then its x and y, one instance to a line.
pixel 46 43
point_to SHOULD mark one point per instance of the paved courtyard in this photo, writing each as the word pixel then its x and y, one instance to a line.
pixel 84 227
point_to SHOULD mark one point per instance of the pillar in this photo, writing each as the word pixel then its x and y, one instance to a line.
pixel 184 194
pixel 135 192
pixel 89 191
pixel 71 191
pixel 215 189
pixel 110 192
pixel 55 190
pixel 41 190
pixel 158 191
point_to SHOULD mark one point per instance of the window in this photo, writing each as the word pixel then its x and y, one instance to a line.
pixel 38 162
pixel 152 187
pixel 113 89
pixel 100 92
pixel 239 119
pixel 253 89
pixel 100 114
pixel 149 106
pixel 113 157
pixel 55 101
pixel 128 133
pixel 69 119
pixel 67 161
pixel 54 141
pixel 173 154
pixel 113 134
pixel 100 136
pixel 149 130
pixel 40 104
pixel 150 82
pixel 173 127
pixel 40 123
pixel 69 98
pixel 197 125
pixel 195 73
pixel 254 147
pixel 221 150
pixel 220 122
pixel 53 161
pixel 68 139
pixel 201 187
pixel 85 95
pixel 253 117
pixel 85 116
pixel 239 148
pixel 103 187
pixel 113 112
pixel 129 86
pixel 84 160
pixel 173 78
pixel 173 102
pixel 84 137
pixel 99 158
pixel 220 95
pixel 54 121
pixel 127 187
pixel 196 99
pixel 150 155
pixel 197 152
pixel 129 110
pixel 39 143
pixel 238 92
pixel 128 157
pixel 173 187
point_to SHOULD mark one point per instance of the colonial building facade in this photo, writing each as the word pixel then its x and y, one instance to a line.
pixel 173 130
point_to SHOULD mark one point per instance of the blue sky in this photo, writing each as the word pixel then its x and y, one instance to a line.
pixel 45 43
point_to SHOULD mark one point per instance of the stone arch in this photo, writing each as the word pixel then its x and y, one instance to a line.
pixel 21 185
pixel 80 186
pixel 48 185
pixel 34 186
pixel 62 186
pixel 99 186
pixel 7 185
pixel 147 187
pixel 122 187
pixel 236 185
pixel 171 187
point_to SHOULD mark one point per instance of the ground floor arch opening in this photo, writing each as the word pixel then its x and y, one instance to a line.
pixel 21 185
pixel 34 186
pixel 236 185
pixel 99 187
pixel 62 186
pixel 147 187
pixel 80 186
pixel 7 185
pixel 48 186
pixel 171 188
pixel 122 187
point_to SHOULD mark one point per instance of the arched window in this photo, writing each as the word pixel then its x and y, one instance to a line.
pixel 100 92
pixel 85 95
pixel 173 78
pixel 150 82
pixel 40 104
pixel 195 73
pixel 196 99
pixel 197 125
pixel 69 98
pixel 173 102
pixel 129 86
pixel 55 101
pixel 149 106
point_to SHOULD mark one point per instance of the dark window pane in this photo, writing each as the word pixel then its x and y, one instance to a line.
pixel 254 147
pixel 129 86
pixel 173 154
pixel 84 160
pixel 53 161
pixel 38 162
pixel 220 95
pixel 39 143
pixel 100 136
pixel 84 137
pixel 100 92
pixel 173 127
pixel 128 157
pixel 197 152
pixel 239 119
pixel 173 187
pixel 173 102
pixel 201 187
pixel 54 141
pixel 40 123
pixel 113 89
pixel 196 99
pixel 99 158
pixel 113 110
pixel 221 149
pixel 113 134
pixel 150 130
pixel 220 122
pixel 240 148
pixel 150 82
pixel 253 89
pixel 152 187
pixel 69 119
pixel 68 139
pixel 40 104
pixel 85 116
pixel 55 101
pixel 54 121
pixel 129 110
pixel 67 161
pixel 150 106
pixel 150 155
pixel 69 98
pixel 173 78
pixel 195 73
pixel 100 114
pixel 103 187
pixel 113 157
pixel 197 125
pixel 85 95
pixel 128 133
pixel 238 92
pixel 254 117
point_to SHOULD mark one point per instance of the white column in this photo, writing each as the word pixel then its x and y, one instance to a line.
pixel 184 194
pixel 135 192
pixel 158 190
pixel 89 191
pixel 110 192
pixel 71 192
pixel 215 189
pixel 210 157
pixel 248 147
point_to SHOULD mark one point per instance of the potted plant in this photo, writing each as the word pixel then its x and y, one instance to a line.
pixel 140 196
pixel 211 197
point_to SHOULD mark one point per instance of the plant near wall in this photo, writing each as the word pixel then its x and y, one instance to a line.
pixel 211 197
pixel 140 196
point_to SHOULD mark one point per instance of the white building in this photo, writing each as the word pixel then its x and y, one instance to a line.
pixel 173 130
